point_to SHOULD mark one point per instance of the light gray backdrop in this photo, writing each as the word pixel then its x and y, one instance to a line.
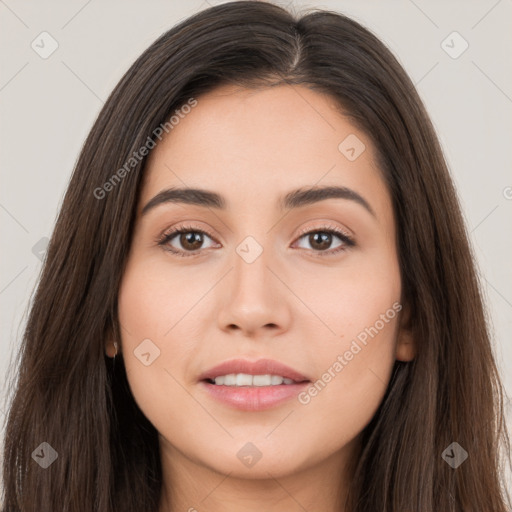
pixel 61 58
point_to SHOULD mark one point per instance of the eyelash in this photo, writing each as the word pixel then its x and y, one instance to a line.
pixel 168 236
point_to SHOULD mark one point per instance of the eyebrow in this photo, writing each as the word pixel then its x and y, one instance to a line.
pixel 294 199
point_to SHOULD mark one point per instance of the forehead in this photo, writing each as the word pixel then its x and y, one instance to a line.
pixel 260 143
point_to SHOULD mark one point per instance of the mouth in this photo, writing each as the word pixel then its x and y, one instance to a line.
pixel 252 386
pixel 246 379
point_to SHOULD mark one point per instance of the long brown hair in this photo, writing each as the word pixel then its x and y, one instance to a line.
pixel 69 395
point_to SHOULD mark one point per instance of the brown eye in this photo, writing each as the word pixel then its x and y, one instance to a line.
pixel 321 240
pixel 191 240
pixel 184 240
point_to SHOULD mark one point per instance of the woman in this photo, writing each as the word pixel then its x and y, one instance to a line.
pixel 259 292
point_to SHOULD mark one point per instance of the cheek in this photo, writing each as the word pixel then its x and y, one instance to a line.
pixel 349 388
pixel 350 299
pixel 152 299
pixel 354 362
pixel 153 308
pixel 148 311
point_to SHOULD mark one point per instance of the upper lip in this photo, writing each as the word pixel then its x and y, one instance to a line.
pixel 259 367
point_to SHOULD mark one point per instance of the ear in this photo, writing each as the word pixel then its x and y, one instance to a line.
pixel 405 344
pixel 111 348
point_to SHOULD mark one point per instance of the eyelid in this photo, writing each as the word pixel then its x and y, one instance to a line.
pixel 184 227
pixel 325 227
pixel 170 233
pixel 346 238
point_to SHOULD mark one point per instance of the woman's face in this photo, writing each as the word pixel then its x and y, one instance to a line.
pixel 309 281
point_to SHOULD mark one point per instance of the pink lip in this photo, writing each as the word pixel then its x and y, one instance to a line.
pixel 253 398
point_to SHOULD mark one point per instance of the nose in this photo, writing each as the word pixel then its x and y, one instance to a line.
pixel 255 300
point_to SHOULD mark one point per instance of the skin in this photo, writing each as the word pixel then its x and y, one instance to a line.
pixel 291 304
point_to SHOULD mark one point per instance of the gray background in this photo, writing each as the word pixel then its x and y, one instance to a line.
pixel 47 107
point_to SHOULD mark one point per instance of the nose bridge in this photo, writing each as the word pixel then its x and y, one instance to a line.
pixel 255 298
pixel 251 278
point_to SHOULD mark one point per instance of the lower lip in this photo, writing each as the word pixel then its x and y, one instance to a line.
pixel 254 398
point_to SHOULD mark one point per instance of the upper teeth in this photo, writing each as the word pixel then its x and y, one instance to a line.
pixel 243 379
